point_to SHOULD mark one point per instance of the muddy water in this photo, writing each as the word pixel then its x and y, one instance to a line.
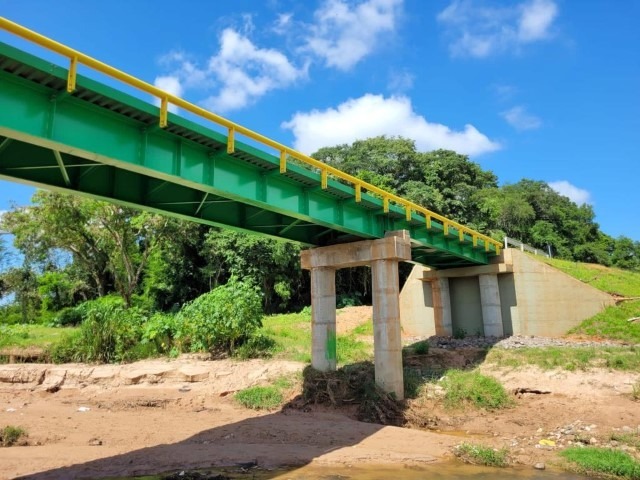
pixel 440 471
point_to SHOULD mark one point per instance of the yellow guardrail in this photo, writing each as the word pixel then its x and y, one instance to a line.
pixel 75 57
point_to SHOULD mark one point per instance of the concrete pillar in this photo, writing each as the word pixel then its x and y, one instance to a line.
pixel 386 326
pixel 491 309
pixel 323 319
pixel 442 307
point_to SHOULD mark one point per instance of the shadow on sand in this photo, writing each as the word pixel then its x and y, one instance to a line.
pixel 291 436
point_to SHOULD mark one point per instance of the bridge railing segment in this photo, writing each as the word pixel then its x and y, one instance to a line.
pixel 285 153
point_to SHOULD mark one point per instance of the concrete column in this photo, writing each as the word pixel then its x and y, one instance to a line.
pixel 442 307
pixel 386 326
pixel 323 319
pixel 491 309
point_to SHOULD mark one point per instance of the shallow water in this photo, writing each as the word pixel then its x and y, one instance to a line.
pixel 440 471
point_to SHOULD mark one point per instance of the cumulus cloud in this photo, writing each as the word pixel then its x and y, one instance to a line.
pixel 575 194
pixel 478 30
pixel 343 34
pixel 374 115
pixel 240 71
pixel 169 84
pixel 520 119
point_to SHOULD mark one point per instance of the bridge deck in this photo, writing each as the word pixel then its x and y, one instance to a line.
pixel 100 142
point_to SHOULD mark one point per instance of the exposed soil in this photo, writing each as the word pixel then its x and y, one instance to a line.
pixel 172 415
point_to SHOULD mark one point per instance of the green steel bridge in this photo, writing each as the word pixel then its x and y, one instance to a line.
pixel 65 132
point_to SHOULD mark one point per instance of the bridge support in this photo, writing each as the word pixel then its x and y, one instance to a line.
pixel 383 255
pixel 442 307
pixel 490 303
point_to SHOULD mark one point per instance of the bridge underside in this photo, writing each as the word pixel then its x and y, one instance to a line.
pixel 102 143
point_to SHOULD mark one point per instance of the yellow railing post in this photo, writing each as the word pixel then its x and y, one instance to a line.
pixel 231 140
pixel 71 76
pixel 164 112
pixel 283 161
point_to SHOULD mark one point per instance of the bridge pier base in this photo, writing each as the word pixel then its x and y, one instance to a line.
pixel 383 255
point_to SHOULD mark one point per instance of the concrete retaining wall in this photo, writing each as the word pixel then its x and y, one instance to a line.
pixel 535 298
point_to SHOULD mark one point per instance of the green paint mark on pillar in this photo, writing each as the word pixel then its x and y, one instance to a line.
pixel 331 347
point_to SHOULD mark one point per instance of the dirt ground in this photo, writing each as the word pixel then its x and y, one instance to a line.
pixel 170 415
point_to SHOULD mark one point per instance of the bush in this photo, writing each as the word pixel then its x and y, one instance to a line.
pixel 161 330
pixel 111 333
pixel 67 350
pixel 11 435
pixel 258 346
pixel 472 387
pixel 68 317
pixel 220 319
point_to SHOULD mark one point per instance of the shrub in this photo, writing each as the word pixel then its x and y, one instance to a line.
pixel 222 318
pixel 11 435
pixel 160 330
pixel 472 387
pixel 67 350
pixel 111 333
pixel 257 346
pixel 68 317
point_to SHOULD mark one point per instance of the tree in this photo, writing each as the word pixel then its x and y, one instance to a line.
pixel 442 180
pixel 109 243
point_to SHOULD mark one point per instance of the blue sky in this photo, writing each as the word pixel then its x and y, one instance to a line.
pixel 541 89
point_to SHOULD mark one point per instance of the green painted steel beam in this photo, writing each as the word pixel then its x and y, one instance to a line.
pixel 103 143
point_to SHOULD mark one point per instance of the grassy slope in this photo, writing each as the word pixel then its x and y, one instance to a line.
pixel 292 334
pixel 31 336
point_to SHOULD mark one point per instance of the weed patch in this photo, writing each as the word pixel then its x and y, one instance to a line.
pixel 480 455
pixel 260 398
pixel 602 462
pixel 11 435
pixel 472 388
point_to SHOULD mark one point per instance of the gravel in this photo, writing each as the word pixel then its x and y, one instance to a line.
pixel 515 341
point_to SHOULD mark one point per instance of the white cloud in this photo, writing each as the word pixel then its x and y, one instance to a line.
pixel 344 34
pixel 400 82
pixel 240 71
pixel 520 119
pixel 575 194
pixel 246 72
pixel 478 30
pixel 169 84
pixel 374 115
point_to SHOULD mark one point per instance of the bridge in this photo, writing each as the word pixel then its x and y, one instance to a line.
pixel 66 132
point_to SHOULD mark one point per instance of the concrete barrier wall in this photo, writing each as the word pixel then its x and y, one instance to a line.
pixel 535 298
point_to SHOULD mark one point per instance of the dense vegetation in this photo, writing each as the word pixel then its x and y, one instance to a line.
pixel 141 283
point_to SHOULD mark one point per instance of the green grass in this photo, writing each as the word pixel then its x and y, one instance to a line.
pixel 268 397
pixel 604 462
pixel 31 336
pixel 292 334
pixel 635 391
pixel 472 388
pixel 610 280
pixel 612 323
pixel 10 435
pixel 567 358
pixel 364 328
pixel 260 398
pixel 480 455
